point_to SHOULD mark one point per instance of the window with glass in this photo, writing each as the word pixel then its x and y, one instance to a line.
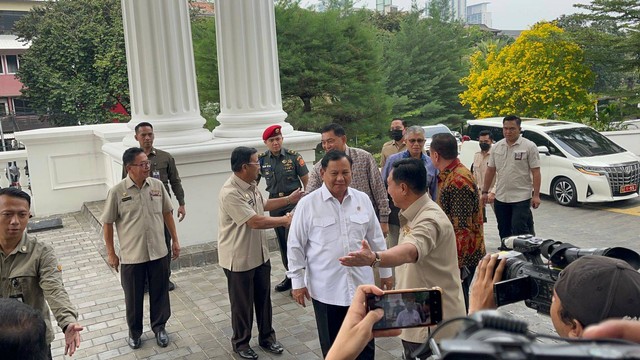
pixel 12 64
pixel 584 142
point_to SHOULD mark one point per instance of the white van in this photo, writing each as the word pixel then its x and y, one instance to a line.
pixel 577 163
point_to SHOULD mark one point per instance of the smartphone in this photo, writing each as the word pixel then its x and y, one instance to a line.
pixel 407 308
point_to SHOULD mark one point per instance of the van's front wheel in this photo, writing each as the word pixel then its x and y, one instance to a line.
pixel 564 192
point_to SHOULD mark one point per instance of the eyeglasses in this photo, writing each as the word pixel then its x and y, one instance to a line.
pixel 142 164
pixel 255 163
pixel 413 141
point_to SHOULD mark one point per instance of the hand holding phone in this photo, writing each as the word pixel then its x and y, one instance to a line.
pixel 407 308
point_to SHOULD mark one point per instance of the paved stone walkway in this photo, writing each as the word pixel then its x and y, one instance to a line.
pixel 200 327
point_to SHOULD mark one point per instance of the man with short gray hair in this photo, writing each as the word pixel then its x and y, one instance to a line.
pixel 414 138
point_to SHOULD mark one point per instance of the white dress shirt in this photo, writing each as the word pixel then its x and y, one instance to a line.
pixel 323 230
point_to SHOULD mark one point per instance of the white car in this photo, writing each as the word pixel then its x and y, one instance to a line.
pixel 430 130
pixel 577 163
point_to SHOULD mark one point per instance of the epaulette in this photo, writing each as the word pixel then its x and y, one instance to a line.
pixel 292 152
pixel 261 155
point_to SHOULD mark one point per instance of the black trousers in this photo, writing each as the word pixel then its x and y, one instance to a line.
pixel 247 290
pixel 514 218
pixel 133 277
pixel 282 233
pixel 329 318
pixel 410 347
pixel 466 276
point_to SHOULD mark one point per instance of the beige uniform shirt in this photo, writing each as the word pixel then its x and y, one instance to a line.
pixel 513 169
pixel 426 226
pixel 30 274
pixel 389 148
pixel 138 215
pixel 480 162
pixel 240 248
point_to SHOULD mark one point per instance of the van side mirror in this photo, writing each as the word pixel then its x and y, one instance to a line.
pixel 544 150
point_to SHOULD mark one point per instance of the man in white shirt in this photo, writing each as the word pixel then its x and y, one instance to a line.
pixel 328 224
pixel 409 316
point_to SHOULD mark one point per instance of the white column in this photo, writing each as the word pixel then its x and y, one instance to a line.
pixel 248 69
pixel 162 77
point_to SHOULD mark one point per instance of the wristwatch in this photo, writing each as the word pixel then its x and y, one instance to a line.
pixel 376 262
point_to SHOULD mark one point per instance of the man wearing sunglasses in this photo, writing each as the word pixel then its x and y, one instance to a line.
pixel 414 139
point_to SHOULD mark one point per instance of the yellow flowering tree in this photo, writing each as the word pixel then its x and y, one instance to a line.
pixel 541 74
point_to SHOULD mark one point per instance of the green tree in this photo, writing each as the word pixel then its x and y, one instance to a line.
pixel 330 69
pixel 203 33
pixel 425 61
pixel 541 74
pixel 75 69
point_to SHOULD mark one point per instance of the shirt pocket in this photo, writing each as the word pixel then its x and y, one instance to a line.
pixel 358 225
pixel 324 221
pixel 23 285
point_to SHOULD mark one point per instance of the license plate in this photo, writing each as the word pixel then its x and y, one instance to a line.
pixel 628 188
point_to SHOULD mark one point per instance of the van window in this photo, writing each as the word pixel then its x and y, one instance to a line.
pixel 474 132
pixel 540 140
pixel 584 142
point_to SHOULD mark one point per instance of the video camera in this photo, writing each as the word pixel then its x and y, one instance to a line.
pixel 527 277
pixel 492 335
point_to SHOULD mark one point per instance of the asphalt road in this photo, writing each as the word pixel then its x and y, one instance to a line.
pixel 585 226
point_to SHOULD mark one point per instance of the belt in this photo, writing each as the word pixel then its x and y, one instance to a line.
pixel 279 195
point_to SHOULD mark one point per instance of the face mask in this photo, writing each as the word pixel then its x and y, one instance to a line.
pixel 485 146
pixel 396 135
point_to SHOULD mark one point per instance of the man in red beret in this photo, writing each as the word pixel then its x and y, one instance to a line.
pixel 284 171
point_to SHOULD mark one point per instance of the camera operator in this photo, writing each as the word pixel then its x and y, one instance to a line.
pixel 589 290
pixel 357 328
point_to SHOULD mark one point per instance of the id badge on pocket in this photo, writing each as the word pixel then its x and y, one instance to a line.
pixel 155 174
pixel 518 155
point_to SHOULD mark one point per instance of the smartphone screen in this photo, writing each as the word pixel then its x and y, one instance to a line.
pixel 407 308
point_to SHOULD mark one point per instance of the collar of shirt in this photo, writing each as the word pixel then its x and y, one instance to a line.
pixel 21 247
pixel 326 194
pixel 484 154
pixel 280 153
pixel 129 183
pixel 152 153
pixel 406 154
pixel 243 184
pixel 411 212
pixel 517 142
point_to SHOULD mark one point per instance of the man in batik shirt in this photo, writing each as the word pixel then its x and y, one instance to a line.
pixel 458 197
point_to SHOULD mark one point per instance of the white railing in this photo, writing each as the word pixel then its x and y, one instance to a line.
pixel 14 170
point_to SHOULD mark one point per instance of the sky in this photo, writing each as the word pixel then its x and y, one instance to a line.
pixel 505 14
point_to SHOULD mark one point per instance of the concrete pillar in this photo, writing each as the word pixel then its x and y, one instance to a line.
pixel 162 77
pixel 248 70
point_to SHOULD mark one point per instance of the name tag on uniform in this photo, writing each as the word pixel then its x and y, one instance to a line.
pixel 155 193
pixel 126 198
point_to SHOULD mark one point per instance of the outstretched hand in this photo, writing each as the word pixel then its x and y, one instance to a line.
pixel 72 338
pixel 362 257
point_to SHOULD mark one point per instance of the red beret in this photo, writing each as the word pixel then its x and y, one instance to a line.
pixel 273 130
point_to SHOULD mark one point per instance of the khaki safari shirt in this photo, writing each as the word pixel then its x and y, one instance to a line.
pixel 163 168
pixel 240 247
pixel 282 172
pixel 513 169
pixel 389 148
pixel 479 169
pixel 31 274
pixel 138 215
pixel 426 226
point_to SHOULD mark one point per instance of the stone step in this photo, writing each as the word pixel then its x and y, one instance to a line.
pixel 194 255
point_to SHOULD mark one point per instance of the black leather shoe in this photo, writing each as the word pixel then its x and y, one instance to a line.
pixel 284 285
pixel 247 353
pixel 172 286
pixel 134 343
pixel 162 338
pixel 274 347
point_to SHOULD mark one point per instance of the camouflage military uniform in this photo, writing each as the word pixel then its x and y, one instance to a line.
pixel 282 174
